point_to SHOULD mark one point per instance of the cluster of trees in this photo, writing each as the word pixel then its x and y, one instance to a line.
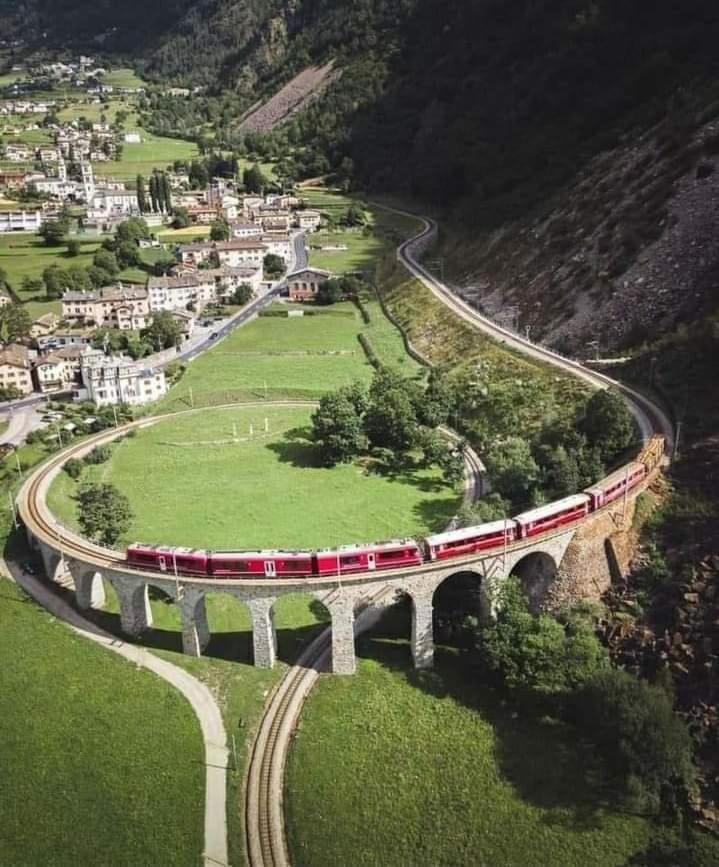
pixel 336 288
pixel 163 332
pixel 104 512
pixel 392 418
pixel 15 323
pixel 273 266
pixel 156 197
pixel 563 457
pixel 557 665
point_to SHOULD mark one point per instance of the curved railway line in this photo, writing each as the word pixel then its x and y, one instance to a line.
pixel 264 826
pixel 264 819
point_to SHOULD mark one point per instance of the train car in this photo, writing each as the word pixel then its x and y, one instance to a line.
pixel 614 485
pixel 366 558
pixel 266 564
pixel 160 558
pixel 469 540
pixel 552 515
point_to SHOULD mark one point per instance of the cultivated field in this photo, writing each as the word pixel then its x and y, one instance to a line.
pixel 153 152
pixel 190 483
pixel 435 769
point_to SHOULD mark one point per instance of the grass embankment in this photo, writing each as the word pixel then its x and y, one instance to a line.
pixel 97 755
pixel 391 767
pixel 538 391
pixel 267 490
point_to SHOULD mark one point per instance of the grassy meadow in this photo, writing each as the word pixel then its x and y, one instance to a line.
pixel 437 770
pixel 96 753
pixel 189 484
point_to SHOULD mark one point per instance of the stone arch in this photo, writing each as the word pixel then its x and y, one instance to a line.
pixel 298 618
pixel 224 622
pixel 383 621
pixel 54 563
pixel 536 572
pixel 461 598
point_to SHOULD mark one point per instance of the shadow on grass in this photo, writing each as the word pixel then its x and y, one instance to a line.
pixel 296 448
pixel 544 760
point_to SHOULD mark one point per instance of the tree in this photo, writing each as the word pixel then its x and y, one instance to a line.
pixel 106 260
pixel 166 191
pixel 154 194
pixel 133 229
pixel 99 455
pixel 489 508
pixel 220 230
pixel 608 424
pixel 645 744
pixel 329 292
pixel 180 218
pixel 535 653
pixel 98 276
pixel 513 470
pixel 128 254
pixel 390 420
pixel 15 322
pixel 273 265
pixel 10 392
pixel 104 512
pixel 73 247
pixel 434 407
pixel 73 467
pixel 253 180
pixel 337 427
pixel 141 194
pixel 355 216
pixel 56 281
pixel 163 264
pixel 242 294
pixel 164 330
pixel 53 231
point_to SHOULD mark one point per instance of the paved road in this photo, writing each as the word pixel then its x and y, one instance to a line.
pixel 198 695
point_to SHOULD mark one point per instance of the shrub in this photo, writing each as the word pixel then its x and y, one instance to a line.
pixel 645 744
pixel 98 455
pixel 73 467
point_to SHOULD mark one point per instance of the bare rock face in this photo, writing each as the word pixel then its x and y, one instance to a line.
pixel 629 248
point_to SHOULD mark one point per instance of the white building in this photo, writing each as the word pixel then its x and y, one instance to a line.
pixel 175 293
pixel 123 307
pixel 15 368
pixel 112 380
pixel 58 371
pixel 21 221
pixel 279 244
pixel 309 220
pixel 246 230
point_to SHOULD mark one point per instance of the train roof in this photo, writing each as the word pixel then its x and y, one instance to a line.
pixel 552 508
pixel 169 549
pixel 469 532
pixel 616 476
pixel 369 546
pixel 274 553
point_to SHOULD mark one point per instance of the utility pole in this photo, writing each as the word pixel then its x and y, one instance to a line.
pixel 17 462
pixel 12 508
pixel 675 452
pixel 192 401
pixel 114 413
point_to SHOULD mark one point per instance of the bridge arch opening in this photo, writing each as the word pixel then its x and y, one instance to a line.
pixel 299 618
pixel 385 627
pixel 229 623
pixel 536 573
pixel 458 609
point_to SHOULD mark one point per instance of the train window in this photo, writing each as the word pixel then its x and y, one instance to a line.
pixel 350 560
pixel 240 566
pixel 387 555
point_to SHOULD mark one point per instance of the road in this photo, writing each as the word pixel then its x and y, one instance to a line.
pixel 24 415
pixel 650 417
pixel 196 693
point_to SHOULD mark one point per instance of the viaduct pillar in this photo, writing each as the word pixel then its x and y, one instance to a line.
pixel 135 612
pixel 343 635
pixel 264 636
pixel 195 629
pixel 423 629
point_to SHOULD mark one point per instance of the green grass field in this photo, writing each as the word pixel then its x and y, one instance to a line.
pixel 270 491
pixel 153 152
pixel 97 755
pixel 389 767
pixel 123 77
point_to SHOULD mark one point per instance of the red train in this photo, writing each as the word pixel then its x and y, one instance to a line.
pixel 399 553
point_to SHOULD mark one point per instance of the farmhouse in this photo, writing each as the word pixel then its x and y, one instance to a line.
pixel 309 220
pixel 303 285
pixel 44 324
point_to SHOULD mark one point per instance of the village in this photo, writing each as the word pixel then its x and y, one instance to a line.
pixel 207 250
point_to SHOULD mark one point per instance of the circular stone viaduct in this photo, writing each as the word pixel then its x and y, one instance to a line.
pixel 571 562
